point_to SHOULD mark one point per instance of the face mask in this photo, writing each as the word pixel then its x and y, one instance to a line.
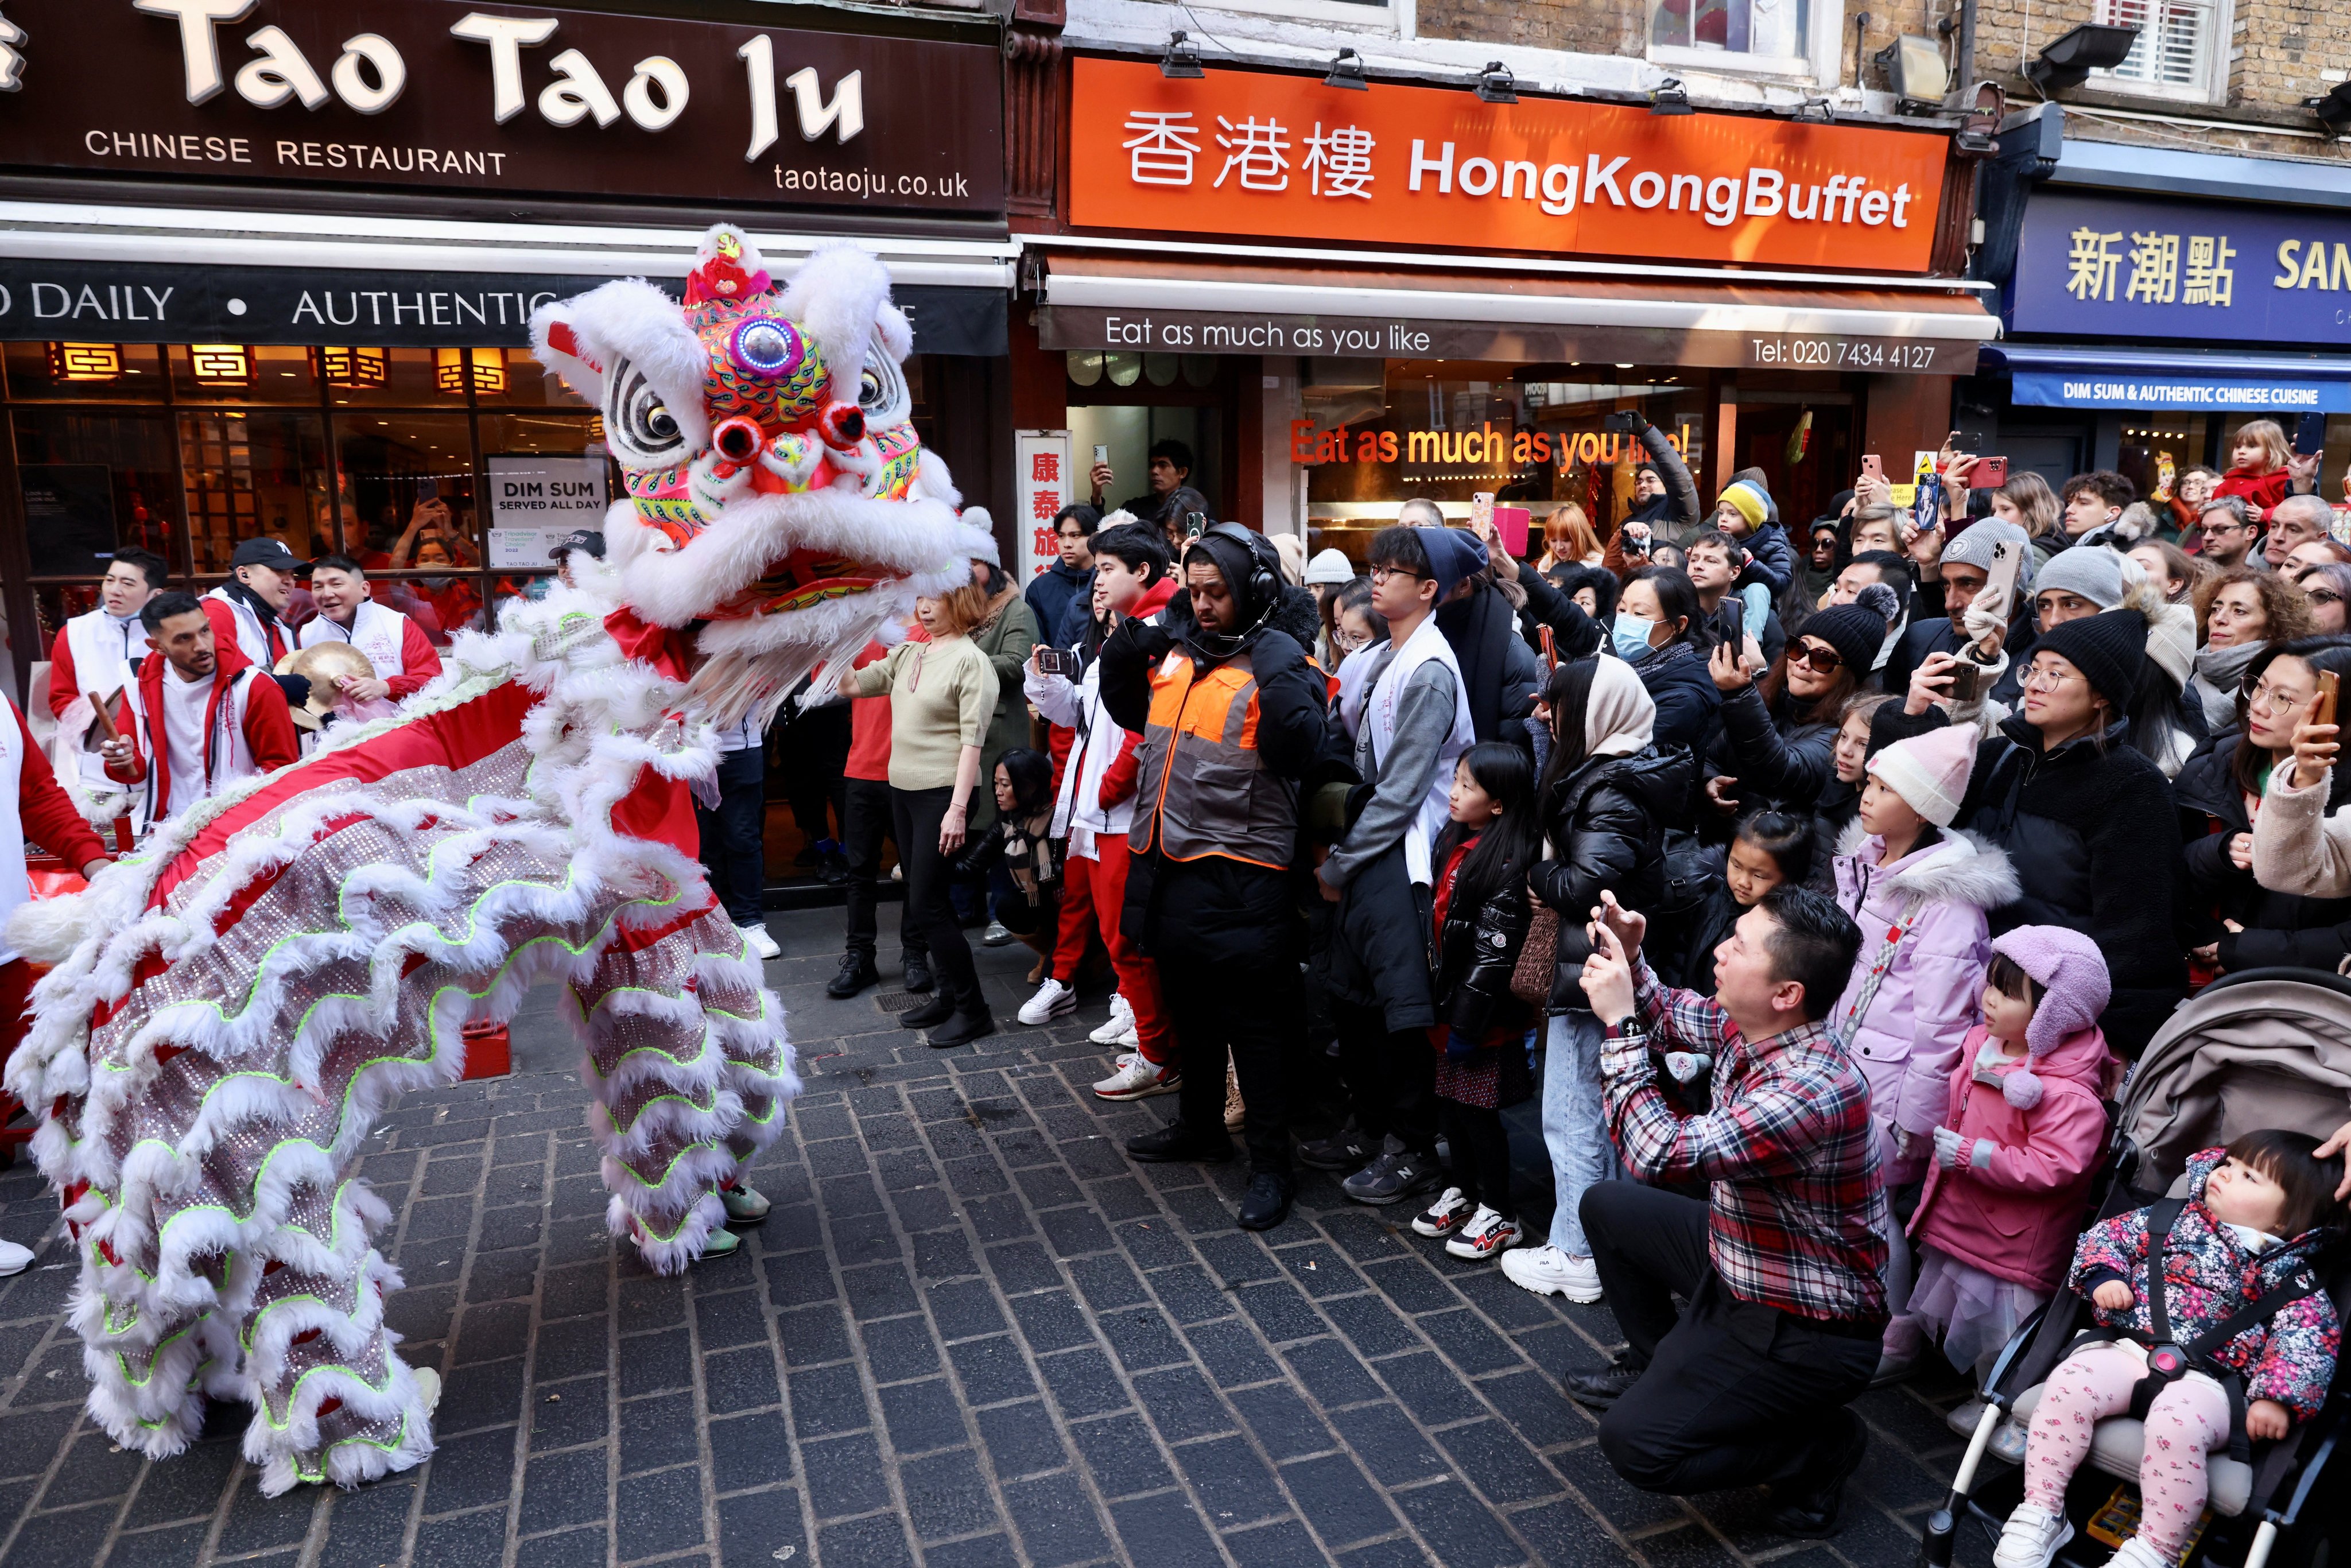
pixel 437 583
pixel 1632 633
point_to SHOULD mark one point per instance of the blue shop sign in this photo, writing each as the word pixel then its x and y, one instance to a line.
pixel 2093 388
pixel 2147 269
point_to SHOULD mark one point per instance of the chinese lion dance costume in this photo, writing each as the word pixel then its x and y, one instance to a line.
pixel 228 1012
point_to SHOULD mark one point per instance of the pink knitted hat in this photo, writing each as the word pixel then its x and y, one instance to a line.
pixel 2074 987
pixel 1929 772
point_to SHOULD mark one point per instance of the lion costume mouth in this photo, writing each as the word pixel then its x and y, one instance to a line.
pixel 801 580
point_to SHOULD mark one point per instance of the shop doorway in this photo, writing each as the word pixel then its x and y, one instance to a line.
pixel 1127 403
pixel 1804 448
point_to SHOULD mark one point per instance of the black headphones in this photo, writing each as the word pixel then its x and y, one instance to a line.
pixel 1265 562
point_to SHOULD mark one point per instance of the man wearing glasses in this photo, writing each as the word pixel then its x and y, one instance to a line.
pixel 2229 534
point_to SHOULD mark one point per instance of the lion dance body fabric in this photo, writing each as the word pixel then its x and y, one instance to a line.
pixel 229 1011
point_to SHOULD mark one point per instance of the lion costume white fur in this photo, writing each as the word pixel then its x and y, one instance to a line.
pixel 229 1010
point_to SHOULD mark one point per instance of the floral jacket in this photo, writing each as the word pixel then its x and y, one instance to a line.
pixel 2208 1276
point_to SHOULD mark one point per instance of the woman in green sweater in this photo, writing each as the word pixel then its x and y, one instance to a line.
pixel 943 696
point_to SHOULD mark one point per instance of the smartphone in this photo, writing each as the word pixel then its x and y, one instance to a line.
pixel 1102 454
pixel 2007 561
pixel 1481 512
pixel 1872 466
pixel 1550 651
pixel 1734 621
pixel 2309 434
pixel 1966 675
pixel 1511 525
pixel 1628 420
pixel 1058 661
pixel 2323 710
pixel 1989 474
pixel 1194 524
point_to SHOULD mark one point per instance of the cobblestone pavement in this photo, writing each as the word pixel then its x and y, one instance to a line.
pixel 970 1334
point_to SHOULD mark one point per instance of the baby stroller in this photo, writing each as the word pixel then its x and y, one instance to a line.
pixel 2265 1049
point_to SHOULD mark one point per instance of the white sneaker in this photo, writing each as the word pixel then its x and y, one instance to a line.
pixel 1052 1000
pixel 996 935
pixel 2136 1552
pixel 1548 1272
pixel 1442 1219
pixel 14 1259
pixel 2032 1536
pixel 1486 1235
pixel 757 939
pixel 1120 1024
pixel 1965 1418
pixel 1138 1079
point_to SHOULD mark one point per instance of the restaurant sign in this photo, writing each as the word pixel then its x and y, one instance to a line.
pixel 1250 153
pixel 2127 267
pixel 1063 327
pixel 194 303
pixel 504 99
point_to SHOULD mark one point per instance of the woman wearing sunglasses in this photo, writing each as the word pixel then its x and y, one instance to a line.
pixel 2087 820
pixel 1777 746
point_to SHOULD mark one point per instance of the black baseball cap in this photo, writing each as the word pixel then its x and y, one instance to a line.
pixel 268 552
pixel 587 539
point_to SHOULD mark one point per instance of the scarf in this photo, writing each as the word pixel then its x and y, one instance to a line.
pixel 2220 672
pixel 1479 629
pixel 1619 718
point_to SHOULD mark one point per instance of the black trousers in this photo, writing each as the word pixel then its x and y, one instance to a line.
pixel 815 762
pixel 865 820
pixel 732 849
pixel 1480 1146
pixel 1251 1017
pixel 1732 1393
pixel 1391 1075
pixel 916 814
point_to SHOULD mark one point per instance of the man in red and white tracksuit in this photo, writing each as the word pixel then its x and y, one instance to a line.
pixel 1131 579
pixel 199 718
pixel 250 607
pixel 395 645
pixel 94 653
pixel 33 810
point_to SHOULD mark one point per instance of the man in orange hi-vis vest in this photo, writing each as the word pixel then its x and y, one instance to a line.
pixel 1232 719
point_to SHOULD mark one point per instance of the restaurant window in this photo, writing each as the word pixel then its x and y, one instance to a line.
pixel 1783 37
pixel 1377 433
pixel 1127 403
pixel 190 449
pixel 2181 50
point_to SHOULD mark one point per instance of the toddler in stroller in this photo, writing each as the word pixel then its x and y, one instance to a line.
pixel 2214 1330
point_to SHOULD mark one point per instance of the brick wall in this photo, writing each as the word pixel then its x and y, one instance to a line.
pixel 1583 26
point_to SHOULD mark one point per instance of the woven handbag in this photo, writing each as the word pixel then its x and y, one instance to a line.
pixel 1531 982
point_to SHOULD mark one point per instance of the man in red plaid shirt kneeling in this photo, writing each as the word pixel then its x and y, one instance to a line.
pixel 1781 1266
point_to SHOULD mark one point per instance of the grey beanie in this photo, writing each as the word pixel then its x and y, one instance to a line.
pixel 1974 546
pixel 2094 572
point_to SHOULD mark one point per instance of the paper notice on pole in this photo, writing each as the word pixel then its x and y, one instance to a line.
pixel 536 499
pixel 1041 464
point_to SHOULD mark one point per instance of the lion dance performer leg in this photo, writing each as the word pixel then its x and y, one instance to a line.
pixel 229 1011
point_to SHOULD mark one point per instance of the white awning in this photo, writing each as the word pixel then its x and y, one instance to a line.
pixel 96 232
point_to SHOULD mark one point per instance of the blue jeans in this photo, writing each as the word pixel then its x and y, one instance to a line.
pixel 1574 1127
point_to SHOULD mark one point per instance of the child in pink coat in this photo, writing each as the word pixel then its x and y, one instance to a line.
pixel 2020 1141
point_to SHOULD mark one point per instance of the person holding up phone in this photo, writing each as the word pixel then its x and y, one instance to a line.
pixel 1964 572
pixel 2236 921
pixel 1665 496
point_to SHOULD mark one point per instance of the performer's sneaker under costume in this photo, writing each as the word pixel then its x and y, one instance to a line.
pixel 230 1011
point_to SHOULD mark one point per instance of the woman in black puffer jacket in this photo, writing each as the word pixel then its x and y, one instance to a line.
pixel 1777 746
pixel 1607 794
pixel 2088 823
pixel 2232 922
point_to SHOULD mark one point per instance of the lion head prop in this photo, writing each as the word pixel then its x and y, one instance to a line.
pixel 778 498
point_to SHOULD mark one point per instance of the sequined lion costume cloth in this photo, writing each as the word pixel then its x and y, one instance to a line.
pixel 228 1011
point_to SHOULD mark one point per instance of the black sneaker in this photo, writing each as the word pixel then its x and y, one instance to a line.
pixel 967 1025
pixel 918 972
pixel 1177 1142
pixel 832 865
pixel 930 1015
pixel 1267 1203
pixel 1598 1390
pixel 1398 1173
pixel 1807 1507
pixel 1344 1150
pixel 857 972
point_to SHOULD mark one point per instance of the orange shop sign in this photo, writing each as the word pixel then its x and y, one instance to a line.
pixel 1251 152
